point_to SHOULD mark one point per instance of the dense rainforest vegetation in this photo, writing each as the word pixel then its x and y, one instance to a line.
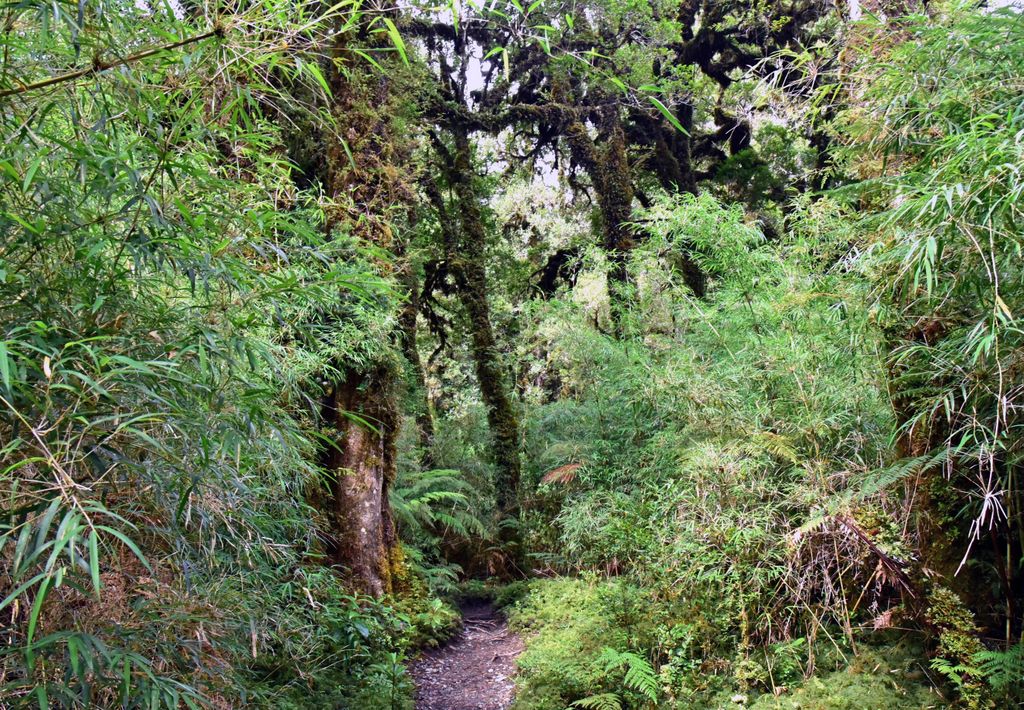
pixel 688 332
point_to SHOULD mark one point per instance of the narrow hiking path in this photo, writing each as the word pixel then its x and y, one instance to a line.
pixel 473 671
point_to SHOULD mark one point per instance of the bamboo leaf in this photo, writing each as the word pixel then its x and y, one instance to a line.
pixel 31 173
pixel 396 39
pixel 37 607
pixel 94 561
pixel 318 75
pixel 668 115
pixel 373 62
pixel 128 542
pixel 5 366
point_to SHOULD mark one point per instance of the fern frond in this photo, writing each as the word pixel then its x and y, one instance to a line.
pixel 640 675
pixel 424 501
pixel 604 701
pixel 1003 669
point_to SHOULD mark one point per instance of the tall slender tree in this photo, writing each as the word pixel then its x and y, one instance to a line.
pixel 464 237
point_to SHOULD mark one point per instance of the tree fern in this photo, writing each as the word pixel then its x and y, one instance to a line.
pixel 425 500
pixel 430 506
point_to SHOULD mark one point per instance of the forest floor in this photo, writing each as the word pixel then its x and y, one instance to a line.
pixel 473 671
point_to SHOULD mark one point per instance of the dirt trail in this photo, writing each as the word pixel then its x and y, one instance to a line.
pixel 474 670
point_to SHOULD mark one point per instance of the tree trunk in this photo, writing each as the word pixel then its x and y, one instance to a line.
pixel 501 413
pixel 361 539
pixel 494 389
pixel 608 168
pixel 362 171
pixel 407 324
pixel 464 238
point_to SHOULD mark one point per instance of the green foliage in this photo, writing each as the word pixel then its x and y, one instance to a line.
pixel 433 499
pixel 640 676
pixel 717 236
pixel 745 456
pixel 730 461
pixel 438 509
pixel 721 426
pixel 880 678
pixel 936 137
pixel 314 644
pixel 509 594
pixel 162 340
pixel 604 701
pixel 567 628
pixel 1004 670
pixel 565 623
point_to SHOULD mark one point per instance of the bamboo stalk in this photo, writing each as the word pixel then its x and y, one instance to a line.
pixel 99 65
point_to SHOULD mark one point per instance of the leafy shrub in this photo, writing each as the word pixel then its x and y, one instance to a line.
pixel 508 595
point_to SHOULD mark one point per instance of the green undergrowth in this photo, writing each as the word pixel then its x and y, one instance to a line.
pixel 600 643
pixel 328 647
pixel 872 682
pixel 564 628
pixel 503 595
pixel 887 674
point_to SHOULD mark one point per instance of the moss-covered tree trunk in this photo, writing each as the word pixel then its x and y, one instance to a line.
pixel 407 325
pixel 494 390
pixel 364 420
pixel 362 171
pixel 605 159
pixel 493 380
pixel 464 237
pixel 608 168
